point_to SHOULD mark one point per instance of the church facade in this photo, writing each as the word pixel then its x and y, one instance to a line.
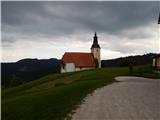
pixel 76 61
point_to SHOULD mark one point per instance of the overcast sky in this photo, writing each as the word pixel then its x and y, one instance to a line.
pixel 48 29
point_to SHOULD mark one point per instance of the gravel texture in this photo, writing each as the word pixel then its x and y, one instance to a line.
pixel 132 98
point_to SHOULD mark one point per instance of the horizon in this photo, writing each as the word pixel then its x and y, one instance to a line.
pixel 75 52
pixel 48 29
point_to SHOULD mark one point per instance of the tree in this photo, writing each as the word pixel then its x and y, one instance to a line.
pixel 13 81
pixel 131 62
pixel 130 67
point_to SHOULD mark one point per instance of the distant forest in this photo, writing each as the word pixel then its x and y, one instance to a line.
pixel 26 70
pixel 13 74
pixel 125 61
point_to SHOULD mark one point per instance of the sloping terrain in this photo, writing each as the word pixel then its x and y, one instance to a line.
pixel 25 70
pixel 54 96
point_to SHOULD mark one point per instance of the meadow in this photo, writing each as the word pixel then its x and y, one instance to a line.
pixel 54 96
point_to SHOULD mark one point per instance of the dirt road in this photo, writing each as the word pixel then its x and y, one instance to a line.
pixel 133 98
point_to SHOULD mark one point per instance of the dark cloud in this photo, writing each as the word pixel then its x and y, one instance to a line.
pixel 61 18
pixel 50 19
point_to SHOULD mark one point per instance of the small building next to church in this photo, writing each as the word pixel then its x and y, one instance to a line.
pixel 156 62
pixel 76 61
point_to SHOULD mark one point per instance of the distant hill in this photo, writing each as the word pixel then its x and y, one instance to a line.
pixel 26 70
pixel 30 69
pixel 124 61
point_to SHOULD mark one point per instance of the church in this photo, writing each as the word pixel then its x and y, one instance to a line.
pixel 76 61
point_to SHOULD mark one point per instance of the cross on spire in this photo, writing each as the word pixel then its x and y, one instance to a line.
pixel 95 34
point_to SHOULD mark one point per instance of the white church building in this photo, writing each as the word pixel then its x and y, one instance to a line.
pixel 76 61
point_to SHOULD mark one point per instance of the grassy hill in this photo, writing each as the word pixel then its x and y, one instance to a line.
pixel 25 70
pixel 54 96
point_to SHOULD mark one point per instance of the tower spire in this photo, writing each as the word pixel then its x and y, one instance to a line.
pixel 95 41
pixel 96 51
pixel 159 19
pixel 95 34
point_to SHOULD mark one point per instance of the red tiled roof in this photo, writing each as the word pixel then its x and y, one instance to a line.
pixel 80 59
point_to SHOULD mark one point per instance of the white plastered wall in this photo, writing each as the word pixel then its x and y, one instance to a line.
pixel 69 67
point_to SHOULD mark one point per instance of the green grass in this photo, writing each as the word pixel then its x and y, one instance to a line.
pixel 145 71
pixel 54 96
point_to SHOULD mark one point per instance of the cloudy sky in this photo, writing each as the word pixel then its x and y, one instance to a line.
pixel 48 29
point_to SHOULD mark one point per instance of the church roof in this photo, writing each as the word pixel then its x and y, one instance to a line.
pixel 95 45
pixel 79 59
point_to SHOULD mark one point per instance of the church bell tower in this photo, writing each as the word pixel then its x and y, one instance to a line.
pixel 95 49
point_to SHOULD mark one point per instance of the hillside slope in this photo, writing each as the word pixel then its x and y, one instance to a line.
pixel 124 61
pixel 54 96
pixel 27 70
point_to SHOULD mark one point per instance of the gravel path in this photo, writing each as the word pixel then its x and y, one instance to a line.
pixel 133 98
